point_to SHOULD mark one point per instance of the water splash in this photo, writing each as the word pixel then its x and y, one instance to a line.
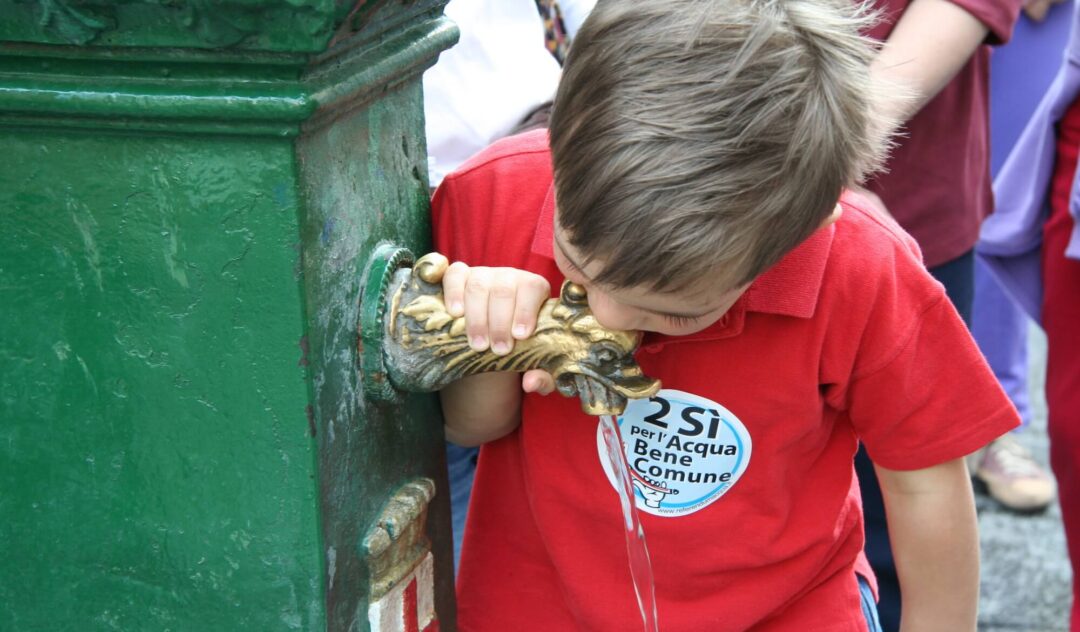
pixel 640 566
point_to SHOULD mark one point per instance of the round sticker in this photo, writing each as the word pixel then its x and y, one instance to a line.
pixel 683 452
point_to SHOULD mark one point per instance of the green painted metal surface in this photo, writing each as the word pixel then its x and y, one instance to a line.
pixel 156 458
pixel 354 205
pixel 183 440
pixel 289 25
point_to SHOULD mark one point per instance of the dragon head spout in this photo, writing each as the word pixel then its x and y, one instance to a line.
pixel 586 359
pixel 427 348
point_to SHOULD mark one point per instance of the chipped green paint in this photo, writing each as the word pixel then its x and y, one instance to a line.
pixel 183 442
pixel 353 206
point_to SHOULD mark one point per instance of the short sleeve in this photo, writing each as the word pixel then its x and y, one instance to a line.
pixel 998 15
pixel 934 400
pixel 486 212
pixel 443 224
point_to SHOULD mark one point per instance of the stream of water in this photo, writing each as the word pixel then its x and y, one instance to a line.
pixel 640 566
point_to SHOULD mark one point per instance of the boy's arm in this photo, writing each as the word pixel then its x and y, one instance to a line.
pixel 481 408
pixel 932 525
pixel 486 407
pixel 930 43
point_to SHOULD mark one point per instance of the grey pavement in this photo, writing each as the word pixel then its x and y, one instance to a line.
pixel 1026 579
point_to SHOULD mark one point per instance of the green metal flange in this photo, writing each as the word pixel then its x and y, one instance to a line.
pixel 386 260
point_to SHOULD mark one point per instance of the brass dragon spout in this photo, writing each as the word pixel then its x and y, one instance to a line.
pixel 425 348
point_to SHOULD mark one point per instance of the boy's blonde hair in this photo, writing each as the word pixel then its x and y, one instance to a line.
pixel 696 142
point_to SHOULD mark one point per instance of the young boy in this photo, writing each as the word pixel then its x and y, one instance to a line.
pixel 699 151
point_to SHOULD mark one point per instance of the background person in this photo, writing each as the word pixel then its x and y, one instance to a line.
pixel 937 180
pixel 1032 245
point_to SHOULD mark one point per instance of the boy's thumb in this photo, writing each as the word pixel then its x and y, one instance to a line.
pixel 537 381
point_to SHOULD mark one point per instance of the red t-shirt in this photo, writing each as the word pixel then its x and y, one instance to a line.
pixel 938 180
pixel 744 461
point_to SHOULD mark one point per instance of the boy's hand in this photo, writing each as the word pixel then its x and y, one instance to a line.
pixel 1036 10
pixel 537 381
pixel 500 305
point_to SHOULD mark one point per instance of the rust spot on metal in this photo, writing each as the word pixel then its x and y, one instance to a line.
pixel 310 412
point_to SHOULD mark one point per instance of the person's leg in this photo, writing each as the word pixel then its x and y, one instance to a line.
pixel 1061 321
pixel 461 466
pixel 1005 469
pixel 958 277
pixel 1000 329
pixel 878 548
pixel 869 609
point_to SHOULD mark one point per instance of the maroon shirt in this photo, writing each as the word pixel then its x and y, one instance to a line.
pixel 938 180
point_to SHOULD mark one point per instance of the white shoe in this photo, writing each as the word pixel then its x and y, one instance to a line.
pixel 1012 476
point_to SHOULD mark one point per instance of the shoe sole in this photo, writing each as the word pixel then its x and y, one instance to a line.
pixel 982 488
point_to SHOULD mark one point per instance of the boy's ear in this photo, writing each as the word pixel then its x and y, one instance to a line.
pixel 835 215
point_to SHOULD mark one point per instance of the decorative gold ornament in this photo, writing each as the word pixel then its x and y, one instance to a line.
pixel 426 348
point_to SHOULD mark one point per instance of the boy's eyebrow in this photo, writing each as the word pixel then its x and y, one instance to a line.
pixel 562 251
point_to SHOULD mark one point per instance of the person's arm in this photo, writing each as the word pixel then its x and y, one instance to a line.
pixel 930 43
pixel 500 305
pixel 935 542
pixel 481 408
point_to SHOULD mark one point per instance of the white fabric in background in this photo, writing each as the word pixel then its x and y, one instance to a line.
pixel 574 13
pixel 479 89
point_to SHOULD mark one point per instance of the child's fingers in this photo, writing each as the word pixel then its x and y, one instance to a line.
pixel 531 294
pixel 501 297
pixel 499 305
pixel 454 288
pixel 477 293
pixel 537 381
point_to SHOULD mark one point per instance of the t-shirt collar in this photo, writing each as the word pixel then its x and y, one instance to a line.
pixel 789 288
pixel 544 237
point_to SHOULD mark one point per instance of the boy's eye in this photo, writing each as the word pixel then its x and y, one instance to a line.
pixel 681 321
